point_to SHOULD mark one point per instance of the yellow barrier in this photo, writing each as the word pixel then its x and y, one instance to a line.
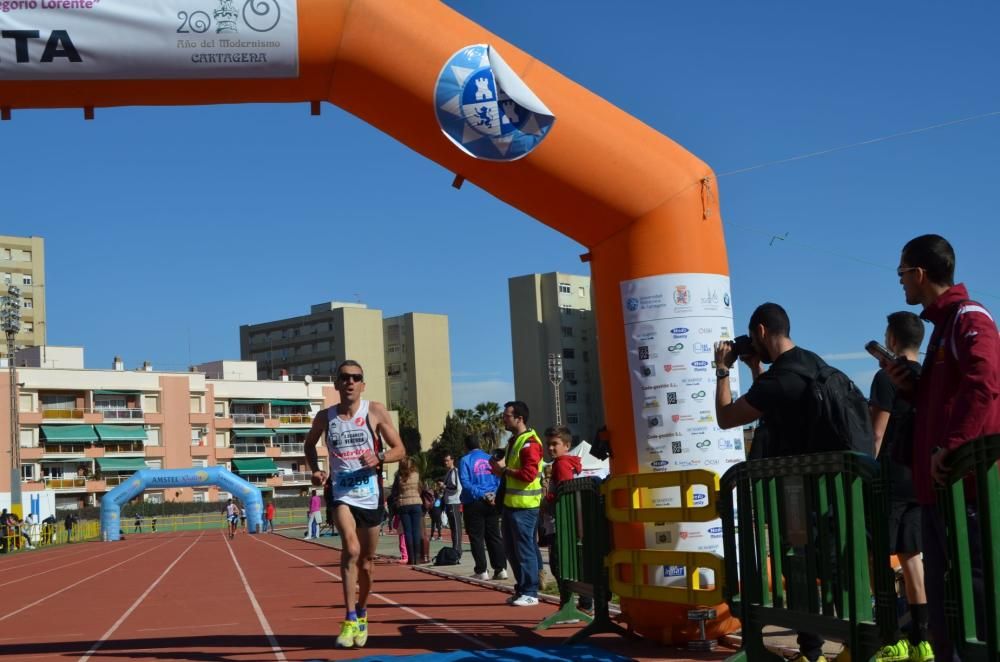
pixel 640 559
pixel 638 485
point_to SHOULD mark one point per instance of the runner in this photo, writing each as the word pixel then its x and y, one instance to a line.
pixel 233 516
pixel 355 431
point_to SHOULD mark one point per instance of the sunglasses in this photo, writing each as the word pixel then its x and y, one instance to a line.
pixel 350 377
pixel 903 270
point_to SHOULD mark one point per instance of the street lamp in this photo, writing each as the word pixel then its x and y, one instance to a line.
pixel 10 320
pixel 556 376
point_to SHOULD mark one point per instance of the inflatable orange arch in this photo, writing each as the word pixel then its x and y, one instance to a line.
pixel 599 176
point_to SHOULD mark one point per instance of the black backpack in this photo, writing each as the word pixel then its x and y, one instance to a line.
pixel 447 556
pixel 837 412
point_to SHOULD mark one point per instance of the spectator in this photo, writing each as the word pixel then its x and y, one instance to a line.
pixel 480 511
pixel 520 474
pixel 565 466
pixel 243 516
pixel 31 528
pixel 957 399
pixel 437 510
pixel 314 518
pixel 4 530
pixel 137 525
pixel 269 516
pixel 152 523
pixel 892 423
pixel 453 503
pixel 49 530
pixel 71 519
pixel 410 509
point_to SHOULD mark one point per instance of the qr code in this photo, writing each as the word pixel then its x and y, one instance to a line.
pixel 671 397
pixel 676 447
pixel 644 352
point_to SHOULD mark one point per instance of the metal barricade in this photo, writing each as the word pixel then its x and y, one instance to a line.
pixel 806 548
pixel 970 500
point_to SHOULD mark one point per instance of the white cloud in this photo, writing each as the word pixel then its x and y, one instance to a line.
pixel 467 395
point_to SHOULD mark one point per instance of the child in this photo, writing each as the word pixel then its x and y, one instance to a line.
pixel 564 467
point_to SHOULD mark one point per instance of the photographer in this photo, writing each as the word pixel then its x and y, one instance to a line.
pixel 778 396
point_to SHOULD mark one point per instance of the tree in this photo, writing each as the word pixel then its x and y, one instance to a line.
pixel 490 422
pixel 451 441
pixel 408 431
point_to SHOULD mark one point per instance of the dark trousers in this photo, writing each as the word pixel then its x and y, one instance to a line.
pixel 412 518
pixel 521 545
pixel 454 513
pixel 482 520
pixel 435 521
pixel 935 562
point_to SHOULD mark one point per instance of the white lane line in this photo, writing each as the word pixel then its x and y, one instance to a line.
pixel 59 568
pixel 135 605
pixel 390 601
pixel 187 627
pixel 256 606
pixel 66 588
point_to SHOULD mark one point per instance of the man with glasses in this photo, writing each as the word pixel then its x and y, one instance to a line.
pixel 360 438
pixel 957 399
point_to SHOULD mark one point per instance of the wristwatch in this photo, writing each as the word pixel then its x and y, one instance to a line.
pixel 381 456
pixel 721 373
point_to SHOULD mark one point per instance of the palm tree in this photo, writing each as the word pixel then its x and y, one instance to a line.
pixel 489 423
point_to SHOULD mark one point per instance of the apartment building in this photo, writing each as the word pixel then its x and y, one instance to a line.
pixel 418 369
pixel 316 343
pixel 82 432
pixel 552 314
pixel 22 263
pixel 406 358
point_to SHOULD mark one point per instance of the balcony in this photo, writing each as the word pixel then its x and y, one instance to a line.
pixel 76 483
pixel 292 449
pixel 296 477
pixel 286 419
pixel 63 414
pixel 248 419
pixel 250 449
pixel 65 449
pixel 112 481
pixel 124 448
pixel 120 413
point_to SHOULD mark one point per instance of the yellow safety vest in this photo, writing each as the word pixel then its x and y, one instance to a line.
pixel 519 494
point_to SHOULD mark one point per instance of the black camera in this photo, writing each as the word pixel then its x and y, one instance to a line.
pixel 742 346
pixel 499 453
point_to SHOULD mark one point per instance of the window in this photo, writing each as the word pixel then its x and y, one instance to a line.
pixel 586 356
pixel 151 403
pixel 27 303
pixel 156 463
pixel 394 369
pixel 220 439
pixel 26 279
pixel 569 353
pixel 198 436
pixel 109 402
pixel 199 463
pixel 393 348
pixel 220 409
pixel 27 438
pixel 152 436
pixel 25 402
pixel 196 406
pixel 7 279
pixel 570 396
pixel 567 332
pixel 28 471
pixel 565 288
pixel 27 327
pixel 582 291
pixel 572 419
pixel 199 496
pixel 570 375
pixel 153 497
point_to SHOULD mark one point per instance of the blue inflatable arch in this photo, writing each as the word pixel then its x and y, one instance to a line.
pixel 144 479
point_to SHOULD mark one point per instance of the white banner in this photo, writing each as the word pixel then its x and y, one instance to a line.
pixel 671 324
pixel 147 39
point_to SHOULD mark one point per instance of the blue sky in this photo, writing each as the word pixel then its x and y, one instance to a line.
pixel 275 196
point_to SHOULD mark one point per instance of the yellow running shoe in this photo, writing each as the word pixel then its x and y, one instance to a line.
pixel 799 657
pixel 921 652
pixel 361 636
pixel 348 633
pixel 897 652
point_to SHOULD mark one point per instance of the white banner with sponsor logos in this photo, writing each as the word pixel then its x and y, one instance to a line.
pixel 143 39
pixel 671 324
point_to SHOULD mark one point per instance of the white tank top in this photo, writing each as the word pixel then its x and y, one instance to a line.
pixel 352 482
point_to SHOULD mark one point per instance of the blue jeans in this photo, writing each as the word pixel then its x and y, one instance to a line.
pixel 519 541
pixel 411 517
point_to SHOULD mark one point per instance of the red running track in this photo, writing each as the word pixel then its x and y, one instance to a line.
pixel 201 596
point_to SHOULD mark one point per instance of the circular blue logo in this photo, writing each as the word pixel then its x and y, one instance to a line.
pixel 485 109
pixel 632 304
